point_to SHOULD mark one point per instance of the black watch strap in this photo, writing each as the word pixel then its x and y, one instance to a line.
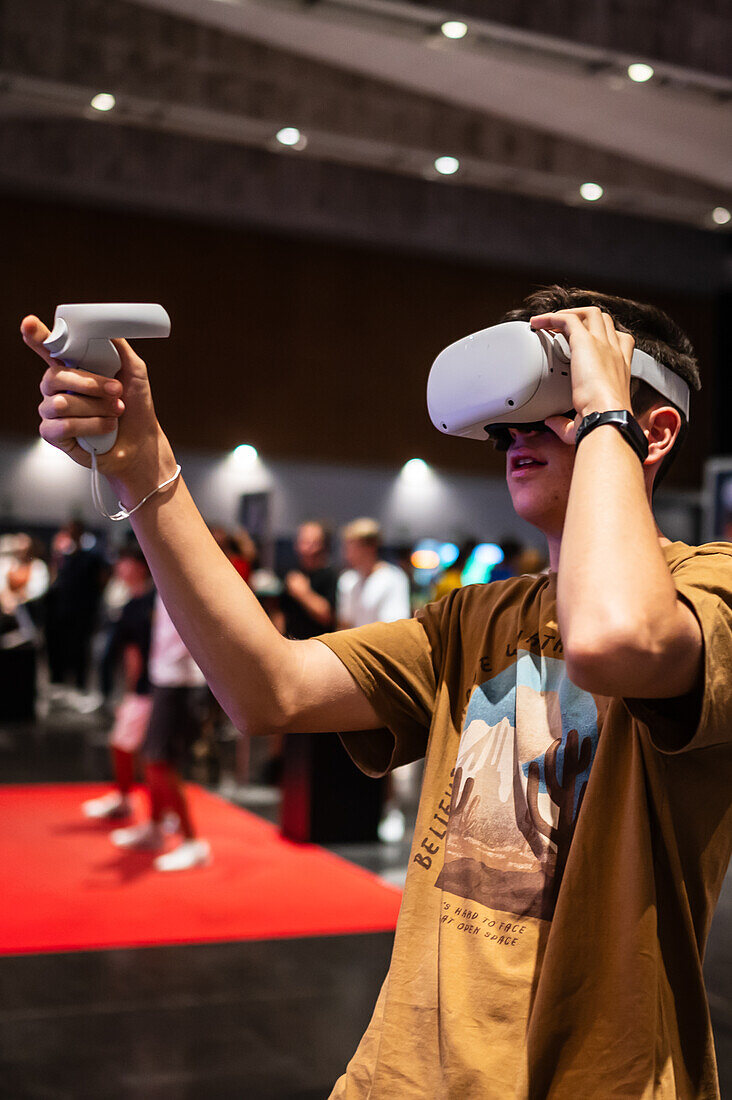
pixel 626 424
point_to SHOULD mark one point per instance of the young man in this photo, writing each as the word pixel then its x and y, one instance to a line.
pixel 574 825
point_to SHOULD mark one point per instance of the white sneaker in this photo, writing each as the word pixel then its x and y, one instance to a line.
pixel 145 837
pixel 114 804
pixel 191 853
pixel 391 827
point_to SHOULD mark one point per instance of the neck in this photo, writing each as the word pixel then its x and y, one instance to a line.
pixel 554 545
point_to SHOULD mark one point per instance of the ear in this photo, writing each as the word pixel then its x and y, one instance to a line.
pixel 662 425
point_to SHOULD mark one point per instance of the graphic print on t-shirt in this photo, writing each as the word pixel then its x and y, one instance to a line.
pixel 526 749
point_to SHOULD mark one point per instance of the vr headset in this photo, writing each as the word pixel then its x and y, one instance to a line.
pixel 511 376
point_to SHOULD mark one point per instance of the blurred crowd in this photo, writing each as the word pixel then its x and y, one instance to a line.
pixel 81 628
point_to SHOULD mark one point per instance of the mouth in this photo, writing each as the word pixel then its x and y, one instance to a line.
pixel 522 463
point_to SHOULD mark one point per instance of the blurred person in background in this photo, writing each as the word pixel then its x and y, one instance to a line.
pixel 79 573
pixel 309 596
pixel 239 548
pixel 173 727
pixel 375 591
pixel 308 603
pixel 23 585
pixel 24 574
pixel 370 590
pixel 130 640
pixel 114 597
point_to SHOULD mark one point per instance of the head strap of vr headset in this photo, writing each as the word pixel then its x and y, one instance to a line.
pixel 663 380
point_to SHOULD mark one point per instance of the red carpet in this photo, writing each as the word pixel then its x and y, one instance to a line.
pixel 65 887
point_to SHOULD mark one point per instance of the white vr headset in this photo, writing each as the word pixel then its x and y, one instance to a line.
pixel 511 375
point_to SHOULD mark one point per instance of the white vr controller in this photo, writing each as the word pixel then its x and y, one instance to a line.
pixel 510 374
pixel 82 337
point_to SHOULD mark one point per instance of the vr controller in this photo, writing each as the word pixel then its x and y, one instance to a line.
pixel 510 375
pixel 82 337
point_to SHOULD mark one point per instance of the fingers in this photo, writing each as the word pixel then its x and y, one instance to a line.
pixel 131 365
pixel 34 332
pixel 61 405
pixel 60 379
pixel 626 344
pixel 563 428
pixel 610 330
pixel 62 432
pixel 566 321
pixel 598 323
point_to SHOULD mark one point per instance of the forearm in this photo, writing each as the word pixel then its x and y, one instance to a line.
pixel 614 589
pixel 317 606
pixel 245 660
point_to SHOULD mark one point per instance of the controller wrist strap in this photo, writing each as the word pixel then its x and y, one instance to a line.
pixel 123 513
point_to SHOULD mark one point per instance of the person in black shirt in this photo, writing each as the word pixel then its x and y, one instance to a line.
pixel 310 591
pixel 72 603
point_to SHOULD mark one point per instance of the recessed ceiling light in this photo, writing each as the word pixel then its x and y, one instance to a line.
pixel 415 470
pixel 103 101
pixel 639 72
pixel 245 454
pixel 591 192
pixel 447 166
pixel 289 135
pixel 721 215
pixel 453 28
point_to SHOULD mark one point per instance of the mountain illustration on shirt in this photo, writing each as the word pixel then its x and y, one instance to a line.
pixel 527 746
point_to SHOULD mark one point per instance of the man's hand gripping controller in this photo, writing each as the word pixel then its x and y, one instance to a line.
pixel 82 337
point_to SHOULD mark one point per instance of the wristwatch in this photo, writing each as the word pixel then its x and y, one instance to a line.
pixel 626 424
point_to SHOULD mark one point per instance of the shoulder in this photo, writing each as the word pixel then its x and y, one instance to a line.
pixel 708 566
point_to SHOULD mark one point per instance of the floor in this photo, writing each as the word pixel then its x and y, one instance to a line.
pixel 274 1020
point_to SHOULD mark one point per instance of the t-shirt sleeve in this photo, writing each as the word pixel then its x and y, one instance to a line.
pixel 703 717
pixel 392 663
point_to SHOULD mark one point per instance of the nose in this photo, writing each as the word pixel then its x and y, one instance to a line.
pixel 524 433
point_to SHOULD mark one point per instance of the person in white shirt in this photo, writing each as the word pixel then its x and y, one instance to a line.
pixel 371 590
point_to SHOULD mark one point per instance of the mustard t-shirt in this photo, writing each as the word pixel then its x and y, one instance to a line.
pixel 568 854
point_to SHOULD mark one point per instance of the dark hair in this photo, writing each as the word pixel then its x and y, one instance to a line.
pixel 653 331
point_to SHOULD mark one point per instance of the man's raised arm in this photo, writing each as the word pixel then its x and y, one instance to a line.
pixel 264 682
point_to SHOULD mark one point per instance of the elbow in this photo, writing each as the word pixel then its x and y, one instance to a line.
pixel 613 664
pixel 258 722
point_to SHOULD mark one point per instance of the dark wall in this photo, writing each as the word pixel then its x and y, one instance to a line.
pixel 304 348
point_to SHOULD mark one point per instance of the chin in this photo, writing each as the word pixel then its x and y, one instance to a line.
pixel 536 509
